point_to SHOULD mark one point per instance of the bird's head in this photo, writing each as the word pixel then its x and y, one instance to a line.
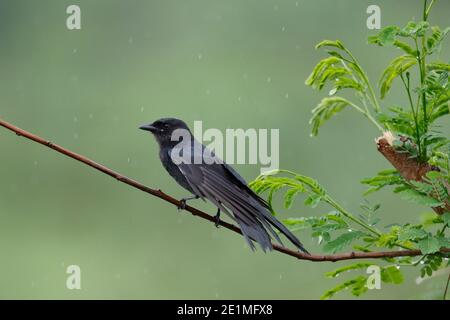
pixel 166 130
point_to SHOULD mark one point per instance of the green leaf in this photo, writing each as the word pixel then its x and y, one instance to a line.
pixel 419 198
pixel 446 218
pixel 436 38
pixel 311 183
pixel 383 179
pixel 429 245
pixel 300 223
pixel 289 197
pixel 342 241
pixel 391 275
pixel 443 242
pixel 315 78
pixel 406 48
pixel 388 239
pixel 326 109
pixel 355 266
pixel 347 83
pixel 441 107
pixel 413 29
pixel 313 200
pixel 330 43
pixel 412 233
pixel 385 37
pixel 393 70
pixel 438 66
pixel 358 286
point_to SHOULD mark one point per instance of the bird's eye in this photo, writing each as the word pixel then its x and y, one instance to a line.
pixel 166 126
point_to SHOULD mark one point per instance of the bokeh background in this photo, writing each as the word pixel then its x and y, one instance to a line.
pixel 231 64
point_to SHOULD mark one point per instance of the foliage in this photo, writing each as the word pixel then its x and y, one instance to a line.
pixel 342 72
pixel 432 191
pixel 414 126
pixel 358 285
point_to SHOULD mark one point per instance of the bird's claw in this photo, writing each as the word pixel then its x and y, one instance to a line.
pixel 217 222
pixel 217 219
pixel 182 205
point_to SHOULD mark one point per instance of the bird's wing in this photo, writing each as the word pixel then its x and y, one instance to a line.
pixel 204 155
pixel 233 173
pixel 218 182
pixel 213 180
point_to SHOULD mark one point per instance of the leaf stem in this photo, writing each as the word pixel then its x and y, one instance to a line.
pixel 368 115
pixel 446 287
pixel 427 10
pixel 421 59
pixel 364 77
pixel 416 122
pixel 349 216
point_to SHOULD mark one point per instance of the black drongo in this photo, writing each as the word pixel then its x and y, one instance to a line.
pixel 206 176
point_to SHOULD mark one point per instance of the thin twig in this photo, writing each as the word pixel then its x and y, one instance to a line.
pixel 446 288
pixel 159 194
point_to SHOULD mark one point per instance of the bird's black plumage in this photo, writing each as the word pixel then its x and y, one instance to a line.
pixel 208 177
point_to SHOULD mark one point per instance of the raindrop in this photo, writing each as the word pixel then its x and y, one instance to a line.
pixel 281 276
pixel 275 7
pixel 245 76
pixel 142 109
pixel 75 136
pixel 283 28
pixel 35 163
pixel 296 3
pixel 239 99
pixel 200 56
pixel 128 160
pixel 75 119
pixel 75 50
pixel 350 230
pixel 130 40
pixel 286 95
pixel 208 92
pixel 269 79
pixel 91 116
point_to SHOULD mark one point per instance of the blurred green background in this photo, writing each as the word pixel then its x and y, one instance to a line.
pixel 229 63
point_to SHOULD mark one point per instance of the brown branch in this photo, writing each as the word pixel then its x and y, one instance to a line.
pixel 408 167
pixel 159 194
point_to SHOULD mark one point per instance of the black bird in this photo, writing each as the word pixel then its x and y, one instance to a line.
pixel 206 176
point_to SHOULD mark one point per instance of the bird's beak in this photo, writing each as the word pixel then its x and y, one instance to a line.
pixel 148 127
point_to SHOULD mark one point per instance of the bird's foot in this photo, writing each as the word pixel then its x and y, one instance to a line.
pixel 182 205
pixel 183 202
pixel 217 219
